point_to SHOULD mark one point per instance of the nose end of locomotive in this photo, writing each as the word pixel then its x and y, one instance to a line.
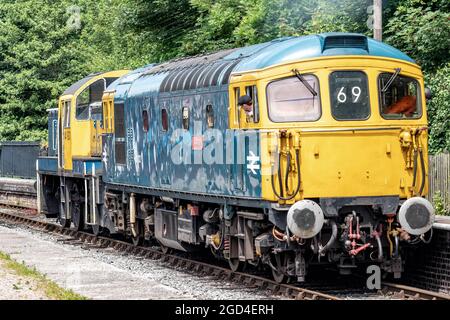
pixel 416 216
pixel 305 219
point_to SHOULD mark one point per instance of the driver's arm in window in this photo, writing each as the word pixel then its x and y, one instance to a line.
pixel 405 105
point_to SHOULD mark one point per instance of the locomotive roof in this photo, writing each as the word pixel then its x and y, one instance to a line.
pixel 215 69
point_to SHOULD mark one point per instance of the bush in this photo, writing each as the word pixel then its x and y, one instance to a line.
pixel 438 201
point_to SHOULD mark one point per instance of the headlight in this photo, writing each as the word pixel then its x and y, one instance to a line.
pixel 416 216
pixel 305 219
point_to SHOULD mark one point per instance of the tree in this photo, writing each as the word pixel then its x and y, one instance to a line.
pixel 439 109
pixel 39 58
pixel 422 32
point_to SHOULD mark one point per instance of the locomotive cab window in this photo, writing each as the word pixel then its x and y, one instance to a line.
pixel 66 114
pixel 89 98
pixel 291 100
pixel 237 108
pixel 399 97
pixel 252 92
pixel 349 95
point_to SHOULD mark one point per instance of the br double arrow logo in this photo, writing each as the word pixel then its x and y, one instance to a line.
pixel 253 162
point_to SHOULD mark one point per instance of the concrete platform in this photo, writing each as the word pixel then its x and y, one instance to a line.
pixel 83 274
pixel 442 223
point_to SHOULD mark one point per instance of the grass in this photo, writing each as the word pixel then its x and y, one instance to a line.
pixel 50 288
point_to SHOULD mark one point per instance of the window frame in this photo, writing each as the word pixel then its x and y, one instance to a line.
pixel 368 95
pixel 252 91
pixel 162 120
pixel 289 77
pixel 88 106
pixel 67 108
pixel 380 102
pixel 237 107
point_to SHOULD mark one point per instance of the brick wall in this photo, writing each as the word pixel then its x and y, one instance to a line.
pixel 428 267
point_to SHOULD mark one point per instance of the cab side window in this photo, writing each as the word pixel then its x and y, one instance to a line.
pixel 237 108
pixel 252 92
pixel 66 114
pixel 90 98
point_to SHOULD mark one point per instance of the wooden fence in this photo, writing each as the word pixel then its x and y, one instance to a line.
pixel 439 178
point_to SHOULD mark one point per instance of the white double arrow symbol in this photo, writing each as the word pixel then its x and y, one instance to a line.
pixel 253 162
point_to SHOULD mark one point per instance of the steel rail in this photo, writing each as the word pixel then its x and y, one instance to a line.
pixel 285 290
pixel 289 291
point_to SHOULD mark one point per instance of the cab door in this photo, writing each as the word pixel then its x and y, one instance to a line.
pixel 66 136
pixel 97 128
pixel 247 162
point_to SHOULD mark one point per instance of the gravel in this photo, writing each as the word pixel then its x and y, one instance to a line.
pixel 198 287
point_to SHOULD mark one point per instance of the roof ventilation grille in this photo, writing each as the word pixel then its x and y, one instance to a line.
pixel 343 42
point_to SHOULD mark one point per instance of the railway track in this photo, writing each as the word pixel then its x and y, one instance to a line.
pixel 289 291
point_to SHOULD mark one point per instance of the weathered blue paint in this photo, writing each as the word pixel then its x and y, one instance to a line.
pixel 298 48
pixel 48 165
pixel 52 132
pixel 155 159
pixel 87 167
pixel 81 167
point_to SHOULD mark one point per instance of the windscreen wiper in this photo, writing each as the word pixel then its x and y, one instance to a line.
pixel 389 83
pixel 305 83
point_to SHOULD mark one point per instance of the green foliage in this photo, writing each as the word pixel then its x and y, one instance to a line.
pixel 41 55
pixel 439 109
pixel 340 16
pixel 439 206
pixel 51 289
pixel 422 33
pixel 37 61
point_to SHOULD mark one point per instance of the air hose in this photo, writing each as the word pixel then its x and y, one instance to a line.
pixel 415 170
pixel 279 176
pixel 422 164
pixel 286 177
pixel 297 189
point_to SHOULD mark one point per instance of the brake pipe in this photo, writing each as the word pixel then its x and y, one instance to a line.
pixel 354 252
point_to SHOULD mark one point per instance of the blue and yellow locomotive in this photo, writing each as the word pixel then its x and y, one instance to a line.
pixel 296 151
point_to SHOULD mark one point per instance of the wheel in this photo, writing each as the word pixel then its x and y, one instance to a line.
pixel 77 216
pixel 236 265
pixel 139 239
pixel 278 274
pixel 65 223
pixel 97 229
pixel 77 208
pixel 165 249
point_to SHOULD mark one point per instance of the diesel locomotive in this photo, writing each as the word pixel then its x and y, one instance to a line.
pixel 328 166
